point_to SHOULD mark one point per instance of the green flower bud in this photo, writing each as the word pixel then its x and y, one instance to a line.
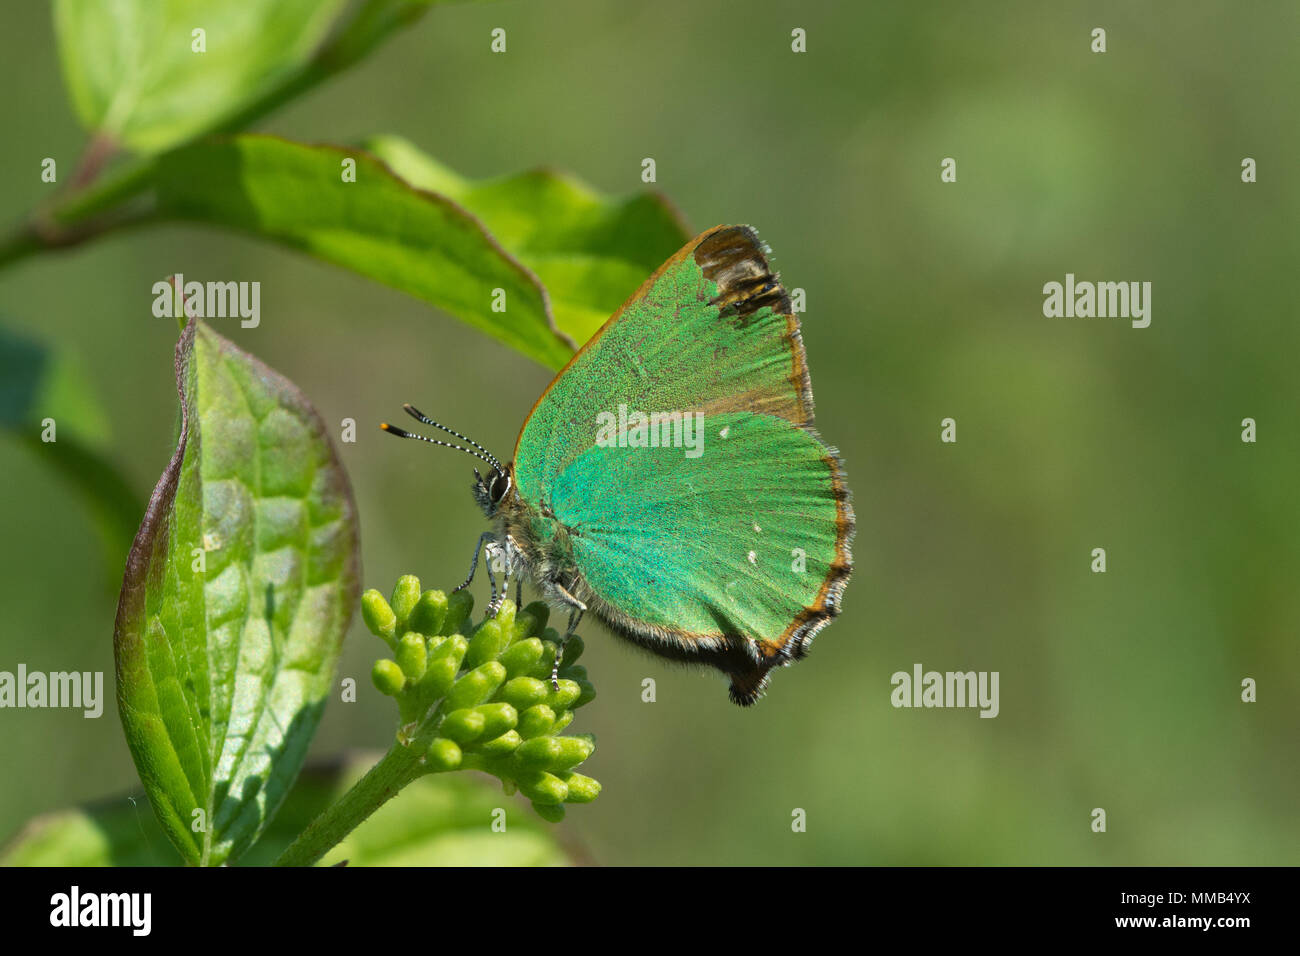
pixel 429 613
pixel 538 753
pixel 554 753
pixel 443 665
pixel 486 645
pixel 476 686
pixel 443 755
pixel 459 605
pixel 412 656
pixel 523 692
pixel 582 789
pixel 489 698
pixel 574 750
pixel 379 617
pixel 388 677
pixel 542 669
pixel 463 726
pixel 550 812
pixel 572 651
pixel 525 626
pixel 501 746
pixel 542 787
pixel 564 695
pixel 540 612
pixel 506 615
pixel 405 596
pixel 522 657
pixel 500 717
pixel 536 721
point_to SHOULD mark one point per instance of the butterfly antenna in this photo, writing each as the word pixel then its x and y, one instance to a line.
pixel 419 416
pixel 403 433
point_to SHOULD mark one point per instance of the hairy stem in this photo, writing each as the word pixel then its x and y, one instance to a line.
pixel 381 783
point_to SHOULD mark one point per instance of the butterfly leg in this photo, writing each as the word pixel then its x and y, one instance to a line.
pixel 495 603
pixel 576 609
pixel 473 566
pixel 502 555
pixel 494 563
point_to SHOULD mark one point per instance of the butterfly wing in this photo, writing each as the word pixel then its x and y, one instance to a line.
pixel 736 557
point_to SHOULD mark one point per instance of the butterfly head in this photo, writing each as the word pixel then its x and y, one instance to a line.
pixel 491 489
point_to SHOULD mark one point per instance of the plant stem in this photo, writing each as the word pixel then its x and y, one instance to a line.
pixel 125 182
pixel 19 245
pixel 381 783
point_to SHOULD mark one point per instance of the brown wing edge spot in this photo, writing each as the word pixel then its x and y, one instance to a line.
pixel 735 259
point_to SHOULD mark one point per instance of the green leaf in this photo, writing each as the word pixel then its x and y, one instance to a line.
pixel 448 241
pixel 134 76
pixel 379 226
pixel 591 252
pixel 44 395
pixel 238 589
pixel 439 821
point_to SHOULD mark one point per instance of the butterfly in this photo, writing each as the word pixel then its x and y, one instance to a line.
pixel 669 480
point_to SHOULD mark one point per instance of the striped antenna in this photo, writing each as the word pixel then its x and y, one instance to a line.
pixel 403 433
pixel 421 417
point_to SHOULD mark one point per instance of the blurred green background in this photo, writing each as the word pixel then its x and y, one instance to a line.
pixel 1118 690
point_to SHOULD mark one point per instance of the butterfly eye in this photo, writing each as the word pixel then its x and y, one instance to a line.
pixel 500 486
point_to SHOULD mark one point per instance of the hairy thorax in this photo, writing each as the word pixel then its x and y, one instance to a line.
pixel 541 547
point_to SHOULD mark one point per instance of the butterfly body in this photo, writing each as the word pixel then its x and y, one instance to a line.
pixel 710 524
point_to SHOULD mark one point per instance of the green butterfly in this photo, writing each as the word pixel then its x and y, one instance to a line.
pixel 669 479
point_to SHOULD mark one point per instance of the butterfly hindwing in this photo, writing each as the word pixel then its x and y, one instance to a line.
pixel 716 558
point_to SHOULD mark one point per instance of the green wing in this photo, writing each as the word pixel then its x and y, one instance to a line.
pixel 712 330
pixel 667 543
pixel 739 542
